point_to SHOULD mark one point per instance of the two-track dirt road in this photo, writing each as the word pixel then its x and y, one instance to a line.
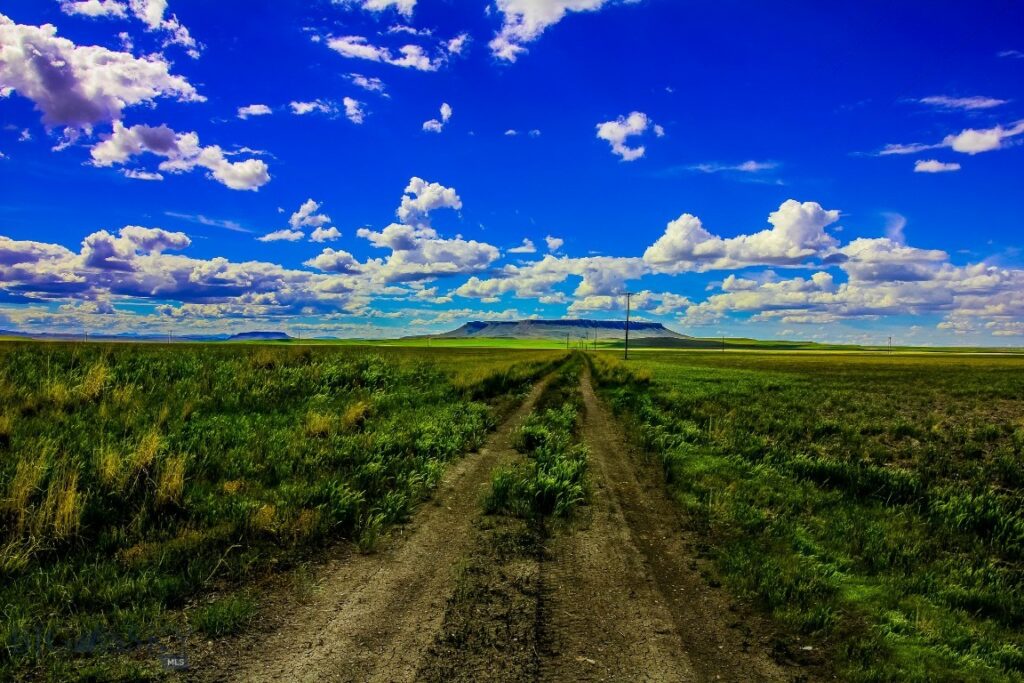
pixel 620 598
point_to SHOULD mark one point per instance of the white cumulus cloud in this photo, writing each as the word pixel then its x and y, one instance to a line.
pixel 182 153
pixel 618 132
pixel 80 86
pixel 934 166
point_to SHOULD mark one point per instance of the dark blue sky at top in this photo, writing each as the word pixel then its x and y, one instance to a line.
pixel 816 88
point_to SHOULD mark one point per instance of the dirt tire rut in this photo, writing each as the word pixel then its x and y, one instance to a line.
pixel 622 602
pixel 374 616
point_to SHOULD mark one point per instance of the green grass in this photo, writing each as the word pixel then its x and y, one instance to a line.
pixel 136 478
pixel 553 481
pixel 874 501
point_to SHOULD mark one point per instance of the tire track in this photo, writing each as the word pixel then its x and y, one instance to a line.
pixel 622 601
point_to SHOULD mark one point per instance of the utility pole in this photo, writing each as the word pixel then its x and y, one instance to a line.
pixel 628 295
pixel 890 344
pixel 723 343
pixel 566 341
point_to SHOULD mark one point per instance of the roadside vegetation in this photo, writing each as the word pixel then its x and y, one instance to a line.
pixel 874 501
pixel 137 479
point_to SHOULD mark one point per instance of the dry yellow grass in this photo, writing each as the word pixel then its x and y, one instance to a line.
pixel 355 415
pixel 94 381
pixel 172 480
pixel 6 429
pixel 319 424
pixel 108 467
pixel 264 518
pixel 28 477
pixel 62 511
pixel 146 451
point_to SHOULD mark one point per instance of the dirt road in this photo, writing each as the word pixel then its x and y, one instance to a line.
pixel 374 616
pixel 616 597
pixel 621 601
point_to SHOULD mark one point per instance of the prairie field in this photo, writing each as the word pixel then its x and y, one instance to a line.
pixel 261 508
pixel 136 477
pixel 874 501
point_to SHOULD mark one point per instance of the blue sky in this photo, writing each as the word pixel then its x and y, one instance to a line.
pixel 373 167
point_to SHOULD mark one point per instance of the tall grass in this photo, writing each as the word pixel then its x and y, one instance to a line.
pixel 875 502
pixel 135 478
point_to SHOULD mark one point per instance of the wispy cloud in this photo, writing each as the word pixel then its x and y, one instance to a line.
pixel 200 219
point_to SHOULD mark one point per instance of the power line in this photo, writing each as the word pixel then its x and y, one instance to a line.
pixel 627 355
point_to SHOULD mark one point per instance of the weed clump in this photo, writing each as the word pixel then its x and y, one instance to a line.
pixel 553 480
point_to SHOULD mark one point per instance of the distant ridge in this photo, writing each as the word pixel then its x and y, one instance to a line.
pixel 558 329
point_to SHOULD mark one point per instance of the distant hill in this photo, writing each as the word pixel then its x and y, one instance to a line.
pixel 559 329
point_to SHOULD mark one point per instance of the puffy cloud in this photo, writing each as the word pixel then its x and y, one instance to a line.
pixel 554 243
pixel 934 166
pixel 134 265
pixel 972 141
pixel 658 303
pixel 456 45
pixel 525 20
pixel 95 8
pixel 966 103
pixel 418 253
pixel 527 247
pixel 797 235
pixel 253 110
pixel 421 198
pixel 404 7
pixel 885 259
pixel 282 235
pixel 149 12
pixel 79 86
pixel 354 110
pixel 106 252
pixel 617 132
pixel 16 252
pixel 599 275
pixel 435 126
pixel 324 235
pixel 303 108
pixel 308 215
pixel 409 56
pixel 182 153
pixel 331 261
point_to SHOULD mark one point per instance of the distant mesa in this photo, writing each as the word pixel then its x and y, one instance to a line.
pixel 559 329
pixel 260 336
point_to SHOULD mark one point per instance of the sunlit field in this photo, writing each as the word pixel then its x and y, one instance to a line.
pixel 136 477
pixel 873 501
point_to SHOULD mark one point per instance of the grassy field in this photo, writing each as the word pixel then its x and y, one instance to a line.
pixel 135 478
pixel 875 501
